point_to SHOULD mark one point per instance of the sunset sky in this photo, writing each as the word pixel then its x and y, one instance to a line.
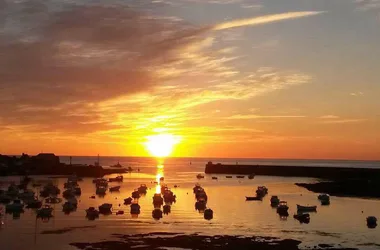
pixel 224 78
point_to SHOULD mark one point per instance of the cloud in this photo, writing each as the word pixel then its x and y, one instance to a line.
pixel 264 19
pixel 329 117
pixel 366 5
pixel 357 94
pixel 252 116
pixel 343 121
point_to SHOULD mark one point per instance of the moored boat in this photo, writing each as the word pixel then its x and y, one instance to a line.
pixel 135 208
pixel 92 213
pixel 371 221
pixel 240 176
pixel 200 176
pixel 253 198
pixel 282 208
pixel 118 178
pixel 143 188
pixel 306 208
pixel 274 201
pixel 15 206
pixel 105 208
pixel 45 212
pixel 208 214
pixel 251 176
pixel 302 217
pixel 157 213
pixel 128 201
pixel 114 189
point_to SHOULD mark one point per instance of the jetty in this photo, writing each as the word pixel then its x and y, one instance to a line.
pixel 294 171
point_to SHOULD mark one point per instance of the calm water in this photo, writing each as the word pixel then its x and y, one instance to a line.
pixel 343 222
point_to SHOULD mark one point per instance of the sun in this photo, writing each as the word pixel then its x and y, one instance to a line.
pixel 161 145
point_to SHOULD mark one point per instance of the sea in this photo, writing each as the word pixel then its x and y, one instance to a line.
pixel 341 224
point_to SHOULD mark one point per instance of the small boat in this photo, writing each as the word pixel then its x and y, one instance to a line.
pixel 253 198
pixel 228 176
pixel 118 165
pixel 175 186
pixel 99 180
pixel 118 178
pixel 208 214
pixel 200 176
pixel 307 208
pixel 251 176
pixel 128 201
pixel 68 207
pixel 157 213
pixel 240 176
pixel 143 188
pixel 324 198
pixel 169 196
pixel 16 206
pixel 135 208
pixel 274 201
pixel 92 213
pixel 136 194
pixel 101 190
pixel 158 200
pixel 162 179
pixel 35 203
pixel 214 178
pixel 167 209
pixel 282 208
pixel 302 217
pixel 325 202
pixel 371 221
pixel 53 200
pixel 114 189
pixel 120 212
pixel 73 201
pixel 261 191
pixel 68 193
pixel 26 195
pixel 45 212
pixel 200 205
pixel 77 191
pixel 105 208
pixel 201 195
pixel 197 188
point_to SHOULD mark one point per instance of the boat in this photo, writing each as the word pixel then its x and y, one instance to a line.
pixel 214 178
pixel 14 207
pixel 158 200
pixel 197 188
pixel 118 165
pixel 200 205
pixel 4 197
pixel 251 176
pixel 371 221
pixel 68 206
pixel 169 196
pixel 105 208
pixel 200 176
pixel 201 195
pixel 253 198
pixel 240 176
pixel 70 184
pixel 99 180
pixel 35 203
pixel 53 200
pixel 68 193
pixel 26 195
pixel 228 176
pixel 114 189
pixel 45 212
pixel 120 212
pixel 282 208
pixel 307 208
pixel 135 208
pixel 261 191
pixel 324 198
pixel 208 214
pixel 157 213
pixel 128 201
pixel 274 201
pixel 118 178
pixel 101 190
pixel 162 179
pixel 302 217
pixel 92 213
pixel 73 201
pixel 136 194
pixel 175 186
pixel 167 209
pixel 50 190
pixel 143 188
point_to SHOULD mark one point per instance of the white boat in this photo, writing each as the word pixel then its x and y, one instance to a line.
pixel 208 214
pixel 307 208
pixel 274 200
pixel 115 189
pixel 15 206
pixel 45 212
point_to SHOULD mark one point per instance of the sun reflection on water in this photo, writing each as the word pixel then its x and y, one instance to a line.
pixel 159 177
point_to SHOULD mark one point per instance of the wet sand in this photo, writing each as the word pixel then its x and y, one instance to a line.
pixel 194 241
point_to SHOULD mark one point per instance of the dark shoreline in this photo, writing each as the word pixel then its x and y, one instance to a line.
pixel 195 241
pixel 294 171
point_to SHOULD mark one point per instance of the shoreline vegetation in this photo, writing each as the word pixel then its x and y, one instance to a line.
pixel 195 241
pixel 49 164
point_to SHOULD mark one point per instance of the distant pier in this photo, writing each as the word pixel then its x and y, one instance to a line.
pixel 294 171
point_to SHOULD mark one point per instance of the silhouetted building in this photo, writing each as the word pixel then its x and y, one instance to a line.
pixel 47 159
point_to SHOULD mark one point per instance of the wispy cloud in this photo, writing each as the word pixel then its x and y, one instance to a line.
pixel 264 19
pixel 329 117
pixel 252 116
pixel 342 121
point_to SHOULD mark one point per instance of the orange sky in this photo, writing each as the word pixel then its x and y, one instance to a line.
pixel 262 81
